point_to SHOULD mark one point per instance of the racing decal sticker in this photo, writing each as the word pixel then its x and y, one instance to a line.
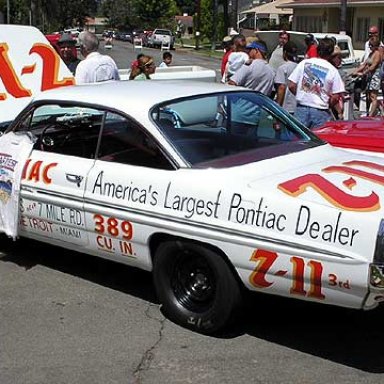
pixel 7 167
pixel 258 213
pixel 307 277
pixel 113 235
pixel 37 171
pixel 334 194
pixel 14 150
pixel 50 71
pixel 8 75
pixel 52 220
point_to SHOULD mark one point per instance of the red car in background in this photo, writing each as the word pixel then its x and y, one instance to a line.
pixel 364 134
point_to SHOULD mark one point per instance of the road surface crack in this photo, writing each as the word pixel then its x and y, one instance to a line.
pixel 148 355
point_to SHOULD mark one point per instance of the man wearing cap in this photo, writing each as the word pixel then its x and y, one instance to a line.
pixel 95 67
pixel 258 75
pixel 317 85
pixel 67 50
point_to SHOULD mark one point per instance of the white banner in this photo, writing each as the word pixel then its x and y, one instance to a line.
pixel 14 151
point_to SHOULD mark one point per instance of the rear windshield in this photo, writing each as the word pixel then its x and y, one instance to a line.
pixel 230 128
pixel 162 32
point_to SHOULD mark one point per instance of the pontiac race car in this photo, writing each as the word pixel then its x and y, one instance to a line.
pixel 213 188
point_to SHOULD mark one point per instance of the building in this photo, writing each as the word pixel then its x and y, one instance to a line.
pixel 324 16
pixel 95 24
pixel 266 15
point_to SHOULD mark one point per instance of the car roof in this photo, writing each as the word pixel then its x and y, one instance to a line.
pixel 338 36
pixel 133 97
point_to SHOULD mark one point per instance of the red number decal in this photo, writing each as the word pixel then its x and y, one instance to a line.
pixel 8 76
pixel 99 224
pixel 315 280
pixel 330 192
pixel 298 276
pixel 51 65
pixel 112 226
pixel 127 229
pixel 265 260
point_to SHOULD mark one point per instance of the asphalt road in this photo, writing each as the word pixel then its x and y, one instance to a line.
pixel 66 317
pixel 123 53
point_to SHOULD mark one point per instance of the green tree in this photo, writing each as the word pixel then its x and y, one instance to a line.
pixel 156 13
pixel 119 13
pixel 186 6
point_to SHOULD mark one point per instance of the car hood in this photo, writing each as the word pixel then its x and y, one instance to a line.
pixel 365 134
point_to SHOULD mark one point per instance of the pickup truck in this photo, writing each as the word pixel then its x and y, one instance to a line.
pixel 160 37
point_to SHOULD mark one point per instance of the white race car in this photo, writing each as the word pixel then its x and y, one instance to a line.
pixel 213 188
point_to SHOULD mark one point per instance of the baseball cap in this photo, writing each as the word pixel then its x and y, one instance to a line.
pixel 256 45
pixel 66 39
pixel 227 39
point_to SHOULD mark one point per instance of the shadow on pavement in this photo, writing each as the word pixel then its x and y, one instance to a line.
pixel 344 336
pixel 29 253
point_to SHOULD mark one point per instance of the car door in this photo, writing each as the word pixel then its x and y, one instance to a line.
pixel 122 191
pixel 55 174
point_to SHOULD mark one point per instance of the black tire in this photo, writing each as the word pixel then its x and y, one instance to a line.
pixel 196 287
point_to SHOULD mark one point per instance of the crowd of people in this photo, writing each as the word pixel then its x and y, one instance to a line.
pixel 311 89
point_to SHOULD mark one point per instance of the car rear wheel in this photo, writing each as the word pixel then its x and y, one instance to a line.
pixel 196 287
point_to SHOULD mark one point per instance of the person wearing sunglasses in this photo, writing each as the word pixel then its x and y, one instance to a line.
pixel 373 32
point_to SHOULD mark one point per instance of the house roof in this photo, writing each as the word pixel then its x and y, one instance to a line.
pixel 332 3
pixel 274 7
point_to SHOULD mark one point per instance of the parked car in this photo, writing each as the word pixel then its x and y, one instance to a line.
pixel 124 36
pixel 160 36
pixel 215 189
pixel 363 134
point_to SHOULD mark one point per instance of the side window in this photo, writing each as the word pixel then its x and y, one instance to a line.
pixel 122 141
pixel 67 130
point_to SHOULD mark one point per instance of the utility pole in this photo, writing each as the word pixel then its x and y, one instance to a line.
pixel 198 20
pixel 214 24
pixel 343 16
pixel 8 13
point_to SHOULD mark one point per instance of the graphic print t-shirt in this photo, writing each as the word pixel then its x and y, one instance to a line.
pixel 316 80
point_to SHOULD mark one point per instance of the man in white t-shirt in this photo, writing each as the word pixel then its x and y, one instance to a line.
pixel 317 85
pixel 95 67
